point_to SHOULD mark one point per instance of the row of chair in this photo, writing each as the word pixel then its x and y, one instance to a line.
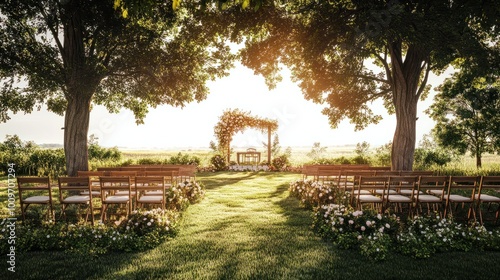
pixel 81 191
pixel 439 193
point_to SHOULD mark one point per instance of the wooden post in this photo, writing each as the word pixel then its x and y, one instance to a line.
pixel 228 153
pixel 268 145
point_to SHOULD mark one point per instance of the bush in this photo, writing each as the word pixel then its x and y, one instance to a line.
pixel 184 159
pixel 280 163
pixel 218 162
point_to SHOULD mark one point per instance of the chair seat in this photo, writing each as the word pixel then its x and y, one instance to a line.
pixel 116 199
pixel 389 191
pixel 151 193
pixel 77 199
pixel 369 198
pixel 121 193
pixel 398 198
pixel 150 199
pixel 459 198
pixel 37 199
pixel 436 192
pixel 409 192
pixel 94 193
pixel 428 198
pixel 362 192
pixel 488 198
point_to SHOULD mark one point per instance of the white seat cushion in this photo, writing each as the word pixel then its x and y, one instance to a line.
pixel 116 199
pixel 77 199
pixel 428 198
pixel 436 192
pixel 408 192
pixel 488 198
pixel 389 191
pixel 150 199
pixel 94 193
pixel 459 198
pixel 369 198
pixel 398 198
pixel 37 199
pixel 158 192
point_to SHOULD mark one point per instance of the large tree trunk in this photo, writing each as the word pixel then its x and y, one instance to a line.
pixel 76 126
pixel 407 86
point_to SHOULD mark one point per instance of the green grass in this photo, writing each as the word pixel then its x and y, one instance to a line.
pixel 247 227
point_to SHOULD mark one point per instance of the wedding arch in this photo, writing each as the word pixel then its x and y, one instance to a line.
pixel 235 120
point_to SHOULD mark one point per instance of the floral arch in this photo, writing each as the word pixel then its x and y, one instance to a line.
pixel 235 120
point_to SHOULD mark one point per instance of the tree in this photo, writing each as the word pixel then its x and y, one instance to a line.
pixel 347 54
pixel 467 114
pixel 69 54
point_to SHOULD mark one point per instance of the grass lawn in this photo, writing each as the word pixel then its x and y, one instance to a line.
pixel 247 227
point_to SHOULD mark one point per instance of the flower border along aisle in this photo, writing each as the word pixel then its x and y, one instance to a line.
pixel 376 235
pixel 141 230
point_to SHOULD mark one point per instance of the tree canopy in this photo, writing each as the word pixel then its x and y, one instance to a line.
pixel 347 54
pixel 467 114
pixel 70 54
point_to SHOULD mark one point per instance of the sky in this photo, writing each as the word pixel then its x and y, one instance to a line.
pixel 301 122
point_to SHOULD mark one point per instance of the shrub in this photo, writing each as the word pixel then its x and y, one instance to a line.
pixel 218 162
pixel 280 163
pixel 184 159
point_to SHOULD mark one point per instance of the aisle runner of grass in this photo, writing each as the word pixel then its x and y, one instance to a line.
pixel 247 227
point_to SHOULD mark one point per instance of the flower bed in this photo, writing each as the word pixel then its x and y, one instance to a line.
pixel 375 235
pixel 141 230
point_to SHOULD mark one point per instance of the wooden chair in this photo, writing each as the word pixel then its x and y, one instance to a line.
pixel 155 185
pixel 110 185
pixel 94 181
pixel 492 184
pixel 130 174
pixel 370 184
pixel 468 186
pixel 395 196
pixel 81 184
pixel 436 184
pixel 35 190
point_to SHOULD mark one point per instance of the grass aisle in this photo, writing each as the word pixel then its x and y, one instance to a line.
pixel 247 227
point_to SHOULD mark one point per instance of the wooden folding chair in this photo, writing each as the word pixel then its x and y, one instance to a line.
pixel 110 186
pixel 370 184
pixel 35 190
pixel 67 185
pixel 488 193
pixel 400 191
pixel 155 185
pixel 461 190
pixel 431 190
pixel 94 181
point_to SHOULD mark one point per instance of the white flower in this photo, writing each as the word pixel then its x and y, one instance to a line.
pixel 351 222
pixel 381 230
pixel 48 236
pixel 359 237
pixel 149 224
pixel 363 228
pixel 387 226
pixel 368 223
pixel 379 217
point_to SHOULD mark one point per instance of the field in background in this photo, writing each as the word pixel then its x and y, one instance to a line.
pixel 299 156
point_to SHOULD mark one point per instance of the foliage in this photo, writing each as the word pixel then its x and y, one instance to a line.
pixel 466 111
pixel 30 159
pixel 383 155
pixel 181 195
pixel 314 194
pixel 275 146
pixel 184 159
pixel 143 230
pixel 234 121
pixel 218 162
pixel 106 54
pixel 317 151
pixel 99 153
pixel 346 54
pixel 375 235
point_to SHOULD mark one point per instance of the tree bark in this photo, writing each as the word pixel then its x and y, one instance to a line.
pixel 405 77
pixel 76 126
